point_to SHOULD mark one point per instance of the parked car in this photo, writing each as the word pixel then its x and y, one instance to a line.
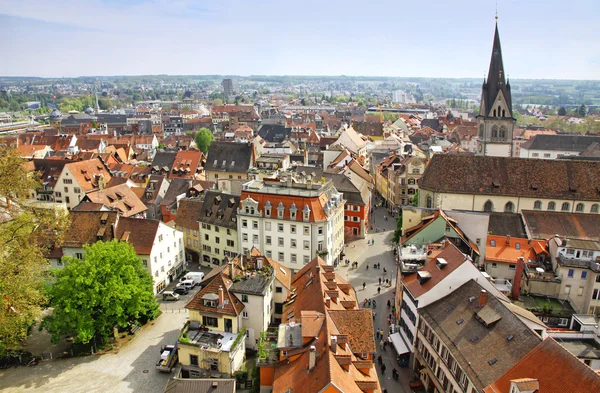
pixel 187 284
pixel 181 290
pixel 170 296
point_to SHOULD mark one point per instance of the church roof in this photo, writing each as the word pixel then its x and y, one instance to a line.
pixel 496 79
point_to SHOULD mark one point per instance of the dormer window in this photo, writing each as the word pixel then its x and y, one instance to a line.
pixel 280 209
pixel 268 208
pixel 210 303
pixel 293 211
pixel 306 213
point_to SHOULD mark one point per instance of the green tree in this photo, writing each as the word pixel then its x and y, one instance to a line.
pixel 582 111
pixel 204 137
pixel 217 102
pixel 415 199
pixel 26 233
pixel 562 111
pixel 109 287
pixel 398 230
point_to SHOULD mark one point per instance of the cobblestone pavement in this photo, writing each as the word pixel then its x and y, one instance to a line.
pixel 129 370
pixel 380 252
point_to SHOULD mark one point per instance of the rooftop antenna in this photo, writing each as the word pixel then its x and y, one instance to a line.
pixel 496 11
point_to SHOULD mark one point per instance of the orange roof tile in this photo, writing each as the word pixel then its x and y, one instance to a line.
pixel 555 368
pixel 451 254
pixel 505 249
pixel 232 305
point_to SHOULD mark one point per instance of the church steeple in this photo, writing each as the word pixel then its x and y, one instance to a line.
pixel 495 119
pixel 496 80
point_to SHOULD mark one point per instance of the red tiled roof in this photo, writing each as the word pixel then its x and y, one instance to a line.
pixel 451 254
pixel 231 306
pixel 555 368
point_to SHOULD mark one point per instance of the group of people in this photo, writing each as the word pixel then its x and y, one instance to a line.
pixel 354 264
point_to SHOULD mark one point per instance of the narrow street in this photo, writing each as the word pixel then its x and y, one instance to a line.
pixel 369 254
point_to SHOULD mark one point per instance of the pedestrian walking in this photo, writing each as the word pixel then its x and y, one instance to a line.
pixel 365 303
pixel 380 360
pixel 383 368
pixel 365 284
pixel 381 344
pixel 379 280
pixel 374 315
pixel 378 290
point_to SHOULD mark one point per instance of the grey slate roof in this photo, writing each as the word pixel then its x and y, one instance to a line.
pixel 572 142
pixel 434 124
pixel 506 224
pixel 111 119
pixel 176 187
pixel 220 209
pixel 491 342
pixel 237 157
pixel 274 132
pixel 164 159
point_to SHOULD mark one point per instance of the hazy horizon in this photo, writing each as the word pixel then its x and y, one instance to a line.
pixel 66 39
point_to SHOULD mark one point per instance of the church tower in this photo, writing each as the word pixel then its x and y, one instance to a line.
pixel 495 119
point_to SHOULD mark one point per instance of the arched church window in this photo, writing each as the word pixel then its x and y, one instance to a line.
pixel 495 131
pixel 502 131
pixel 509 207
pixel 503 113
pixel 494 113
pixel 488 206
pixel 481 129
pixel 498 110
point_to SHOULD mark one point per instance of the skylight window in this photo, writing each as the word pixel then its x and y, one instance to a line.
pixel 460 321
pixel 493 361
pixel 474 339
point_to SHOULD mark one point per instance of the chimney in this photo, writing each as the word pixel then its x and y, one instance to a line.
pixel 230 268
pixel 508 240
pixel 516 289
pixel 312 358
pixel 483 298
pixel 334 344
pixel 221 295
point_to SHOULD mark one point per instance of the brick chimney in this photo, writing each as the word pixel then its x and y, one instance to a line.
pixel 312 358
pixel 221 295
pixel 516 289
pixel 483 298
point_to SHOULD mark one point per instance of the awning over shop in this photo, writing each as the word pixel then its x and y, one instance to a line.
pixel 401 348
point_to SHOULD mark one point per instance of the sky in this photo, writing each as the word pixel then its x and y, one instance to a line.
pixel 541 39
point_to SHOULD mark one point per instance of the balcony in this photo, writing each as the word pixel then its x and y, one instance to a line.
pixel 580 263
pixel 503 285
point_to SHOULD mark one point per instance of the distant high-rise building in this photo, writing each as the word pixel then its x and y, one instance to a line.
pixel 495 118
pixel 402 97
pixel 227 87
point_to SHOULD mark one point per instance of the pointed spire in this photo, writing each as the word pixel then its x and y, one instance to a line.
pixel 496 78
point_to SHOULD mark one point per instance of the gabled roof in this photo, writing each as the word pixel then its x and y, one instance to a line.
pixel 49 170
pixel 120 197
pixel 219 209
pixel 505 249
pixel 186 164
pixel 322 318
pixel 139 232
pixel 177 187
pixel 188 213
pixel 164 159
pixel 478 337
pixel 562 142
pixel 544 225
pixel 231 306
pixel 189 385
pixel 555 369
pixel 450 254
pixel 87 227
pixel 86 173
pixel 229 157
pixel 510 176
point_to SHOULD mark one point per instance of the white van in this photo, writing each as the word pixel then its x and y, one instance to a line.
pixel 196 277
